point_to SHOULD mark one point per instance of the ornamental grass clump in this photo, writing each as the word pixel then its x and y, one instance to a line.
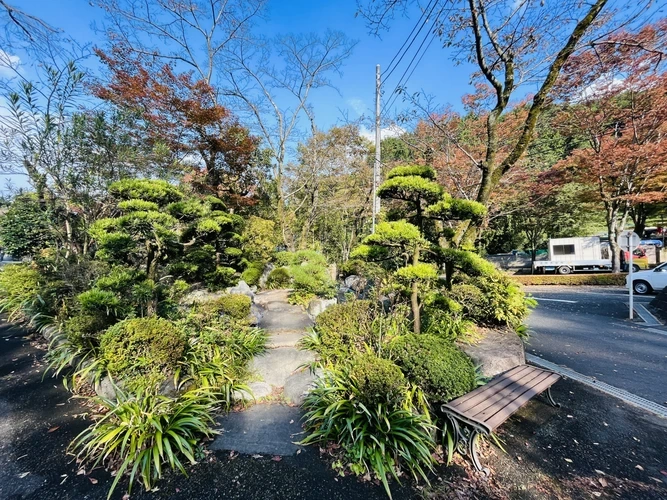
pixel 378 418
pixel 143 433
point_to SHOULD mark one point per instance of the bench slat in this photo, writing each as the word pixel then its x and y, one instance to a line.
pixel 490 405
pixel 512 407
pixel 485 410
pixel 481 394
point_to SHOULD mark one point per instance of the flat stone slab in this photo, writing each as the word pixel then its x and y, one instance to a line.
pixel 285 338
pixel 275 365
pixel 285 320
pixel 258 390
pixel 265 429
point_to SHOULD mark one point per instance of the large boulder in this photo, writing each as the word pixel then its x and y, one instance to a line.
pixel 265 275
pixel 497 352
pixel 318 306
pixel 241 289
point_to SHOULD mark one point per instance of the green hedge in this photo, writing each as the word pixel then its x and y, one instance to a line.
pixel 436 365
pixel 572 279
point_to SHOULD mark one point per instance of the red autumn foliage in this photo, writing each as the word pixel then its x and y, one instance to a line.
pixel 621 116
pixel 183 113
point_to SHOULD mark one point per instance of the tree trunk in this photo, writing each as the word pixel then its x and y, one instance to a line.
pixel 414 298
pixel 611 215
pixel 639 215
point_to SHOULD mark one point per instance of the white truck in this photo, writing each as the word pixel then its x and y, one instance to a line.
pixel 567 255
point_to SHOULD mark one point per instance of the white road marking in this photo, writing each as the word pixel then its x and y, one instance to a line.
pixel 555 300
pixel 655 330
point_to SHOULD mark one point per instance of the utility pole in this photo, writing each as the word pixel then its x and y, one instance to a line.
pixel 376 165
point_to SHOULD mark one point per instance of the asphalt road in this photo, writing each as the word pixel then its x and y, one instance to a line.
pixel 587 330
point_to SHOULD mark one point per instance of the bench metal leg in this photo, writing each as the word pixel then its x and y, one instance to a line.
pixel 551 399
pixel 466 439
pixel 472 451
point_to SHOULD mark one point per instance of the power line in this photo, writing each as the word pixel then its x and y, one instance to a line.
pixel 403 80
pixel 389 69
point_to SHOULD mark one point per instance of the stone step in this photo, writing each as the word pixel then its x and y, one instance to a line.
pixel 286 338
pixel 263 429
pixel 276 365
pixel 281 320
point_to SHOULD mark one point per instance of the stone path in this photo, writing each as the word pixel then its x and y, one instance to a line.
pixel 270 427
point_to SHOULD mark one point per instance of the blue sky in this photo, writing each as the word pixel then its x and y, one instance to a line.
pixel 435 75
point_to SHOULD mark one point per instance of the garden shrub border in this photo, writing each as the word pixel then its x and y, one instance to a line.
pixel 572 279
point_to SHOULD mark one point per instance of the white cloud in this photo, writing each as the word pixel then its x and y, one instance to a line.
pixel 357 105
pixel 8 61
pixel 392 130
pixel 601 87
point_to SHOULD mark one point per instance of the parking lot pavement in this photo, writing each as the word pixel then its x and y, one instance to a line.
pixel 587 330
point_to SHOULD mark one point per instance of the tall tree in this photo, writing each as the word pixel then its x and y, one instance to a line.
pixel 512 43
pixel 195 35
pixel 329 190
pixel 182 113
pixel 273 80
pixel 622 113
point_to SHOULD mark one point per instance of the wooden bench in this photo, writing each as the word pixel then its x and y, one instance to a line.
pixel 484 409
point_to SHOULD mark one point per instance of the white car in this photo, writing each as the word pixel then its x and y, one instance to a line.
pixel 653 280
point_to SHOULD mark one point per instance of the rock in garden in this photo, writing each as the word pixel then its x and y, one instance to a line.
pixel 356 283
pixel 258 390
pixel 241 289
pixel 255 315
pixel 318 306
pixel 105 389
pixel 200 296
pixel 265 275
pixel 298 385
pixel 497 352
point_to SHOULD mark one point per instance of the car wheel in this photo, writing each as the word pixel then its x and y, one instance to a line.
pixel 635 268
pixel 641 287
pixel 564 270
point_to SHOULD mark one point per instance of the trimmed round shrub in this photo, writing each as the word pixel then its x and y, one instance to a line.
pixel 474 304
pixel 234 306
pixel 20 286
pixel 142 345
pixel 313 278
pixel 378 381
pixel 346 327
pixel 278 278
pixel 85 326
pixel 437 366
pixel 253 273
